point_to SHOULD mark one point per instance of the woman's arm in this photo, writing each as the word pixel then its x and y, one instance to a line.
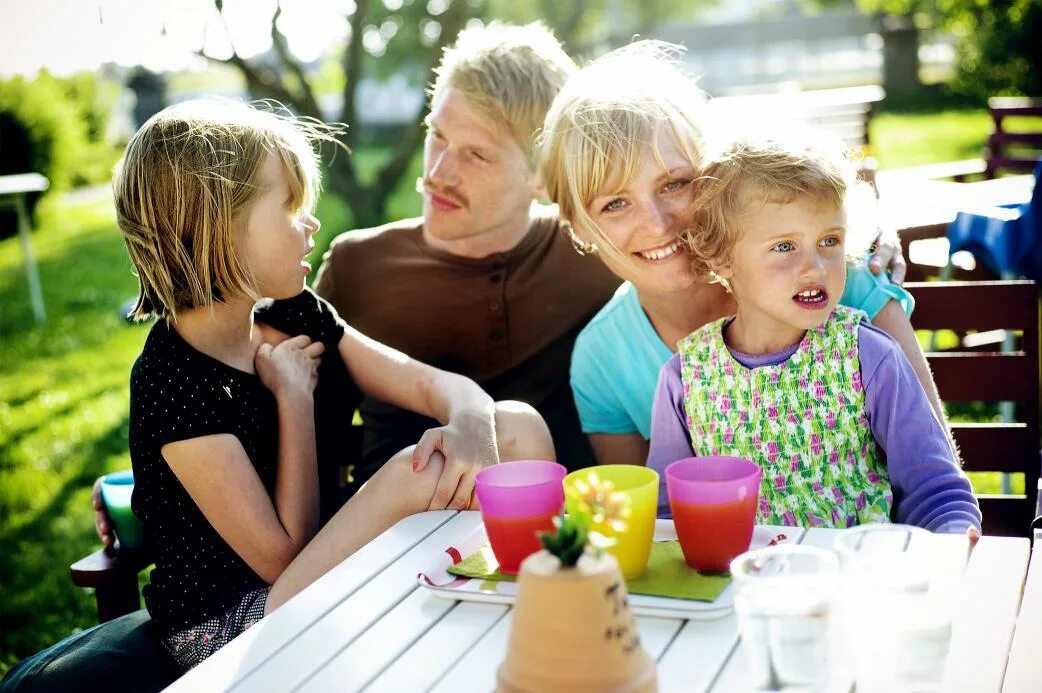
pixel 468 436
pixel 619 448
pixel 892 320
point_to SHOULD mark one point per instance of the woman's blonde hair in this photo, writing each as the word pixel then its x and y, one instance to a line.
pixel 509 73
pixel 606 117
pixel 183 184
pixel 752 169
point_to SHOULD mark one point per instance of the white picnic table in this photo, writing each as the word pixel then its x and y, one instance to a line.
pixel 13 189
pixel 369 625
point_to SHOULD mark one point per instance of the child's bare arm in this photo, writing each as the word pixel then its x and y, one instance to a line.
pixel 219 476
pixel 468 437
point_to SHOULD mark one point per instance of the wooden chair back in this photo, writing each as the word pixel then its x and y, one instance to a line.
pixel 1013 150
pixel 973 376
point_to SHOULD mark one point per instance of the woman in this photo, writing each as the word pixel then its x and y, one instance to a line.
pixel 621 148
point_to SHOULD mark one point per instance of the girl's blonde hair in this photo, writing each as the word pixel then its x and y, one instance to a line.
pixel 183 185
pixel 605 118
pixel 750 170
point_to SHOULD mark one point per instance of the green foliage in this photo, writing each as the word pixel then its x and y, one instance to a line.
pixel 568 542
pixel 63 415
pixel 998 44
pixel 66 119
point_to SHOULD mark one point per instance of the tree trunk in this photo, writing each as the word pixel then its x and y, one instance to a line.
pixel 900 57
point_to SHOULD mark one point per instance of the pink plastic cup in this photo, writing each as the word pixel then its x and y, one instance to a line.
pixel 519 499
pixel 713 500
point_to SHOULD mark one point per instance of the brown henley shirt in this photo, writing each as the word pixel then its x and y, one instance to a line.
pixel 508 321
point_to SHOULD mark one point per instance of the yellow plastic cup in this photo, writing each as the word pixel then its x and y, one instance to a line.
pixel 640 484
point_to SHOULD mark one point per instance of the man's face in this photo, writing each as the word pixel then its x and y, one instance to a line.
pixel 476 178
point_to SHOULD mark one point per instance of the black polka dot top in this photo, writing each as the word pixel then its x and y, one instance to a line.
pixel 177 393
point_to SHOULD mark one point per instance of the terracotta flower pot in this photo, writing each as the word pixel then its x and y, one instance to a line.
pixel 573 630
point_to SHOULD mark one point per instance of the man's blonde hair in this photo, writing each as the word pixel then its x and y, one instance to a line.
pixel 509 73
pixel 184 184
pixel 606 117
pixel 750 170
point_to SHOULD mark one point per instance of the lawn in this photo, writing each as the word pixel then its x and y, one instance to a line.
pixel 64 401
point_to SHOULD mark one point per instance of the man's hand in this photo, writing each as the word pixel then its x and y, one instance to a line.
pixel 102 525
pixel 888 255
pixel 469 445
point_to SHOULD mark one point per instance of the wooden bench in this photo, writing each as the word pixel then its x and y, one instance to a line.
pixel 113 573
pixel 969 376
pixel 1006 150
pixel 844 112
pixel 1013 151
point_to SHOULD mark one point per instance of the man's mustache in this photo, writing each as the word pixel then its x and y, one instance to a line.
pixel 426 185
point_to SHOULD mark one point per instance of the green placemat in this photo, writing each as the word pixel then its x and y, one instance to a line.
pixel 667 574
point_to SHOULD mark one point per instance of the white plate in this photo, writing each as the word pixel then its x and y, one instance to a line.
pixel 444 584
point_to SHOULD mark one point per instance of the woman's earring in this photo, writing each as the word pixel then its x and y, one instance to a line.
pixel 582 247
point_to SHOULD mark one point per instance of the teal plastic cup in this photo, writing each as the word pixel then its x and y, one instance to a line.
pixel 116 490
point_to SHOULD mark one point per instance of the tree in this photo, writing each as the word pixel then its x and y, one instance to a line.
pixel 413 35
pixel 285 79
pixel 998 43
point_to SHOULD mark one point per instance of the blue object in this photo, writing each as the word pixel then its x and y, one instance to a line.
pixel 1008 243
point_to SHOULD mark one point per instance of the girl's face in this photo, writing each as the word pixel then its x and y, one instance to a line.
pixel 787 272
pixel 643 219
pixel 277 239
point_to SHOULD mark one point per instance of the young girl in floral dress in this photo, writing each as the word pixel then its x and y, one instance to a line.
pixel 827 404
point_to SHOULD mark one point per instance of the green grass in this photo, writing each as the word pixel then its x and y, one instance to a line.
pixel 63 415
pixel 912 139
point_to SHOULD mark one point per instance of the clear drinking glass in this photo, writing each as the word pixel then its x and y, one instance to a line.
pixel 896 624
pixel 783 600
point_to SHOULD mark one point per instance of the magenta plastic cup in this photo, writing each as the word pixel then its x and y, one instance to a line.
pixel 714 501
pixel 518 500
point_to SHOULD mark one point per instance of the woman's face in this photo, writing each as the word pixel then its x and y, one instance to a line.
pixel 643 220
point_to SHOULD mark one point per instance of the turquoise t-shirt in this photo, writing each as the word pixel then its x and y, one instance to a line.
pixel 618 355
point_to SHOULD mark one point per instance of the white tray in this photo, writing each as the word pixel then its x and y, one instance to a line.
pixel 444 584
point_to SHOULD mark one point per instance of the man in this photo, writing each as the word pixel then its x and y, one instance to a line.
pixel 485 283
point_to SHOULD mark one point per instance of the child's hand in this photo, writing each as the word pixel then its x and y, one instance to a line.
pixel 469 445
pixel 973 534
pixel 290 368
pixel 102 523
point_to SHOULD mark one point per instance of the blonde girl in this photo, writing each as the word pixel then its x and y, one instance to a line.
pixel 214 201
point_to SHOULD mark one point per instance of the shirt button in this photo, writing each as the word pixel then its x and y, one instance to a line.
pixel 494 306
pixel 497 334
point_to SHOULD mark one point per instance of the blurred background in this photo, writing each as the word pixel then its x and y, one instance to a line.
pixel 77 77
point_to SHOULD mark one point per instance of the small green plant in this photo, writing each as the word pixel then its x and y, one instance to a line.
pixel 598 504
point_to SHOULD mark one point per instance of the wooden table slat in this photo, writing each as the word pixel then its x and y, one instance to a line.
pixel 656 633
pixel 353 616
pixel 982 628
pixel 1024 669
pixel 261 642
pixel 476 671
pixel 383 642
pixel 697 654
pixel 423 664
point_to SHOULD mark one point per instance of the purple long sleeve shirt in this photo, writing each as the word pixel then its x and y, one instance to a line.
pixel 930 490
